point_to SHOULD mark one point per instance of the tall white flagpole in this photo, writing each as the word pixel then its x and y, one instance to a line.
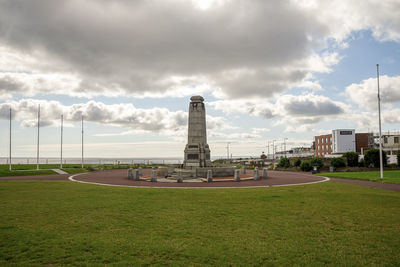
pixel 10 143
pixel 82 142
pixel 380 130
pixel 61 154
pixel 38 126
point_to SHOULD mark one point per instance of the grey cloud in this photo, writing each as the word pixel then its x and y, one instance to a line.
pixel 365 92
pixel 135 46
pixel 122 115
pixel 305 107
pixel 241 49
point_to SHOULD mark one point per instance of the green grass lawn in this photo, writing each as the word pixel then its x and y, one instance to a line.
pixel 6 172
pixel 59 223
pixel 30 169
pixel 388 176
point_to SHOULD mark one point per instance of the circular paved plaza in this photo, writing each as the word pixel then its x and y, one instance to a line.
pixel 120 178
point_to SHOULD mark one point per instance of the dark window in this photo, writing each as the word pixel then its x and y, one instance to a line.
pixel 385 140
pixel 193 156
pixel 396 139
pixel 346 132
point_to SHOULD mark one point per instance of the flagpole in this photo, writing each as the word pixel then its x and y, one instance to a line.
pixel 10 166
pixel 380 129
pixel 82 142
pixel 61 158
pixel 38 126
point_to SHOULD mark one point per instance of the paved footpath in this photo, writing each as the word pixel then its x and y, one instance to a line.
pixel 386 186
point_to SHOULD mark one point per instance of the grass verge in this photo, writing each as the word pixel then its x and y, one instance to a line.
pixel 4 173
pixel 392 177
pixel 60 223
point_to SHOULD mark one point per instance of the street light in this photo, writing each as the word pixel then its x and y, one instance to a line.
pixel 284 142
pixel 273 151
pixel 227 150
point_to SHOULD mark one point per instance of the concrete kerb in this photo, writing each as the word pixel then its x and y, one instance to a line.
pixel 71 178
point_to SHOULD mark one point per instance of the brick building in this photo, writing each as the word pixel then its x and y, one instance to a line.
pixel 341 141
pixel 323 145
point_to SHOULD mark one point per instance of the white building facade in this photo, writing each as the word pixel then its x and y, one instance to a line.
pixel 343 140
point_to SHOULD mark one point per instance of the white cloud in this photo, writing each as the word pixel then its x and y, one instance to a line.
pixel 365 93
pixel 123 115
pixel 232 49
pixel 296 112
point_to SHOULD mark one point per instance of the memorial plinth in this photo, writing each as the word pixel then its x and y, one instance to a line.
pixel 197 151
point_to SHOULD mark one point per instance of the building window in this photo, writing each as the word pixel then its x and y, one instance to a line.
pixel 396 140
pixel 385 140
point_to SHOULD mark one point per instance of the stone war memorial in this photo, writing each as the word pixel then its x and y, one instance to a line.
pixel 197 158
pixel 197 151
pixel 197 166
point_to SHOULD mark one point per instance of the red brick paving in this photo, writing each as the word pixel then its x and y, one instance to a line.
pixel 119 177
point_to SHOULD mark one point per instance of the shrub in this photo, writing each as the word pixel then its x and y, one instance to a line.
pixel 317 162
pixel 351 158
pixel 297 162
pixel 284 163
pixel 361 163
pixel 372 158
pixel 305 166
pixel 398 158
pixel 338 162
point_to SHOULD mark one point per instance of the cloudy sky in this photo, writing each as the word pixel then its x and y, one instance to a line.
pixel 268 70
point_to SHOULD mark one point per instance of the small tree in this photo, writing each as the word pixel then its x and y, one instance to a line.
pixel 284 163
pixel 305 166
pixel 372 158
pixel 351 158
pixel 338 162
pixel 398 158
pixel 297 162
pixel 317 162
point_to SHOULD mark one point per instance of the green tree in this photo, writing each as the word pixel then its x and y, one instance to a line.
pixel 297 162
pixel 372 158
pixel 351 158
pixel 338 162
pixel 305 166
pixel 317 162
pixel 398 158
pixel 284 163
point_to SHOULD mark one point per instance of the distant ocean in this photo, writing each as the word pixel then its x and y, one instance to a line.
pixel 52 160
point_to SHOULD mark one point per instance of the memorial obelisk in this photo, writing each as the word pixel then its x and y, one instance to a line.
pixel 197 151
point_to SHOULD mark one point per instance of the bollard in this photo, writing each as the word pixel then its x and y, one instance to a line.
pixel 209 176
pixel 244 170
pixel 137 175
pixel 255 173
pixel 140 171
pixel 130 173
pixel 237 175
pixel 153 175
pixel 264 175
pixel 179 180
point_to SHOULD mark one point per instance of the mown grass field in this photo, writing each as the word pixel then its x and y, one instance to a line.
pixel 374 176
pixel 59 223
pixel 44 169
